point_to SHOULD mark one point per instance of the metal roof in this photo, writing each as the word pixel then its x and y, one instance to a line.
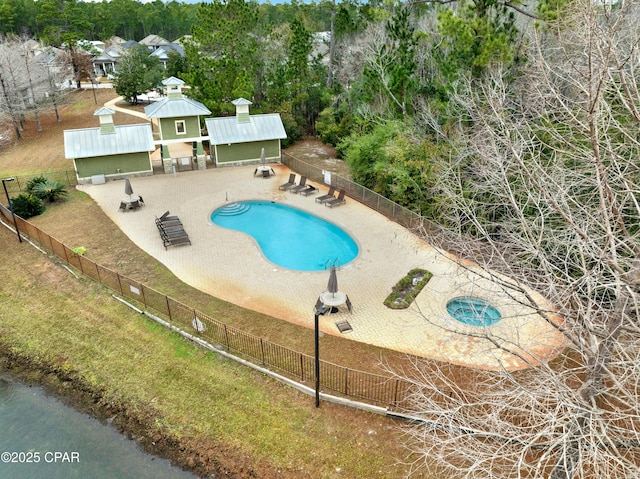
pixel 175 107
pixel 172 80
pixel 89 142
pixel 241 101
pixel 259 127
pixel 103 111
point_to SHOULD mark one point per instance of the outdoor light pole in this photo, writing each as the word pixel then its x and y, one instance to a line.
pixel 15 223
pixel 318 312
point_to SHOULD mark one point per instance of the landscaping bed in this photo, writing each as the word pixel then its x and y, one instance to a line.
pixel 406 290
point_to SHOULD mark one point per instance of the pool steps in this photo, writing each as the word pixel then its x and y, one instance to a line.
pixel 234 209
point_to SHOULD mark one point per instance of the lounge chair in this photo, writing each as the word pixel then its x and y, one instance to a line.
pixel 165 217
pixel 336 201
pixel 301 186
pixel 290 183
pixel 309 190
pixel 171 231
pixel 329 196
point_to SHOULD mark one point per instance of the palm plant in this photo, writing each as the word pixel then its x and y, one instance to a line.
pixel 50 190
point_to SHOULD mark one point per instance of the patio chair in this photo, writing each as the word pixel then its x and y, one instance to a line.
pixel 135 205
pixel 266 173
pixel 290 183
pixel 141 200
pixel 123 206
pixel 329 196
pixel 309 190
pixel 337 201
pixel 301 186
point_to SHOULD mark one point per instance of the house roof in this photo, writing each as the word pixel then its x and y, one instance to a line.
pixel 163 51
pixel 153 40
pixel 90 143
pixel 175 107
pixel 259 127
pixel 110 53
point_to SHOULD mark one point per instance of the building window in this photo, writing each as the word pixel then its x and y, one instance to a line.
pixel 181 128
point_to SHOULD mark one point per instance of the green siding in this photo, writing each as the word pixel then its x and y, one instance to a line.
pixel 168 128
pixel 108 165
pixel 247 151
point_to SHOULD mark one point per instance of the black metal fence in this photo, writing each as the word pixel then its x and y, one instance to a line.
pixel 381 390
pixel 359 385
pixel 401 215
pixel 66 177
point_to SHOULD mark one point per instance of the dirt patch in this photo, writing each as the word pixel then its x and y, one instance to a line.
pixel 316 153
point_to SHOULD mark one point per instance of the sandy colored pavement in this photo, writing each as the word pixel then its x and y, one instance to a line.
pixel 230 265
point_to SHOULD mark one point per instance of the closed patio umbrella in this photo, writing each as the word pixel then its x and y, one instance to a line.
pixel 332 287
pixel 128 190
pixel 263 159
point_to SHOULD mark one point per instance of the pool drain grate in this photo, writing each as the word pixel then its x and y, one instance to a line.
pixel 344 326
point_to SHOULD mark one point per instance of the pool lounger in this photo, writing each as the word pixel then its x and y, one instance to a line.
pixel 300 187
pixel 309 190
pixel 171 231
pixel 289 184
pixel 329 196
pixel 337 201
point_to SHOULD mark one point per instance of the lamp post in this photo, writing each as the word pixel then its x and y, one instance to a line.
pixel 318 312
pixel 94 80
pixel 15 223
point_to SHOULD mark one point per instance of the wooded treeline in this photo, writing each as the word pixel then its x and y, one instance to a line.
pixel 131 19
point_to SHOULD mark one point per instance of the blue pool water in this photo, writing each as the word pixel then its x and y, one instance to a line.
pixel 473 311
pixel 287 236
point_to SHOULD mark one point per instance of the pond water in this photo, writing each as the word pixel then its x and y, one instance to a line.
pixel 40 437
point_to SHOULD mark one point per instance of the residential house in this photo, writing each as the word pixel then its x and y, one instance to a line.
pixel 163 52
pixel 177 120
pixel 106 61
pixel 241 138
pixel 153 42
pixel 109 151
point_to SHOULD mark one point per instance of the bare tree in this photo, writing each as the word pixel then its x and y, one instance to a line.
pixel 544 189
pixel 31 78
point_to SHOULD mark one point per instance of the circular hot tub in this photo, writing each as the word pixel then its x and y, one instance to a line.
pixel 473 311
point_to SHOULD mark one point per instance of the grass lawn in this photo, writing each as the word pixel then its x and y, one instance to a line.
pixel 204 411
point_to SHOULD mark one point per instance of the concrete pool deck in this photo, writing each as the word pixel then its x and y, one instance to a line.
pixel 229 265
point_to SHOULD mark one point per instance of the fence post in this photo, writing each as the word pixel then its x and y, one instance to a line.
pixel 346 382
pixel 144 300
pixel 301 367
pixel 168 307
pixel 262 350
pixel 226 337
pixel 395 394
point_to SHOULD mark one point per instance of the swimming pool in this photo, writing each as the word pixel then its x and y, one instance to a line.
pixel 473 311
pixel 287 236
